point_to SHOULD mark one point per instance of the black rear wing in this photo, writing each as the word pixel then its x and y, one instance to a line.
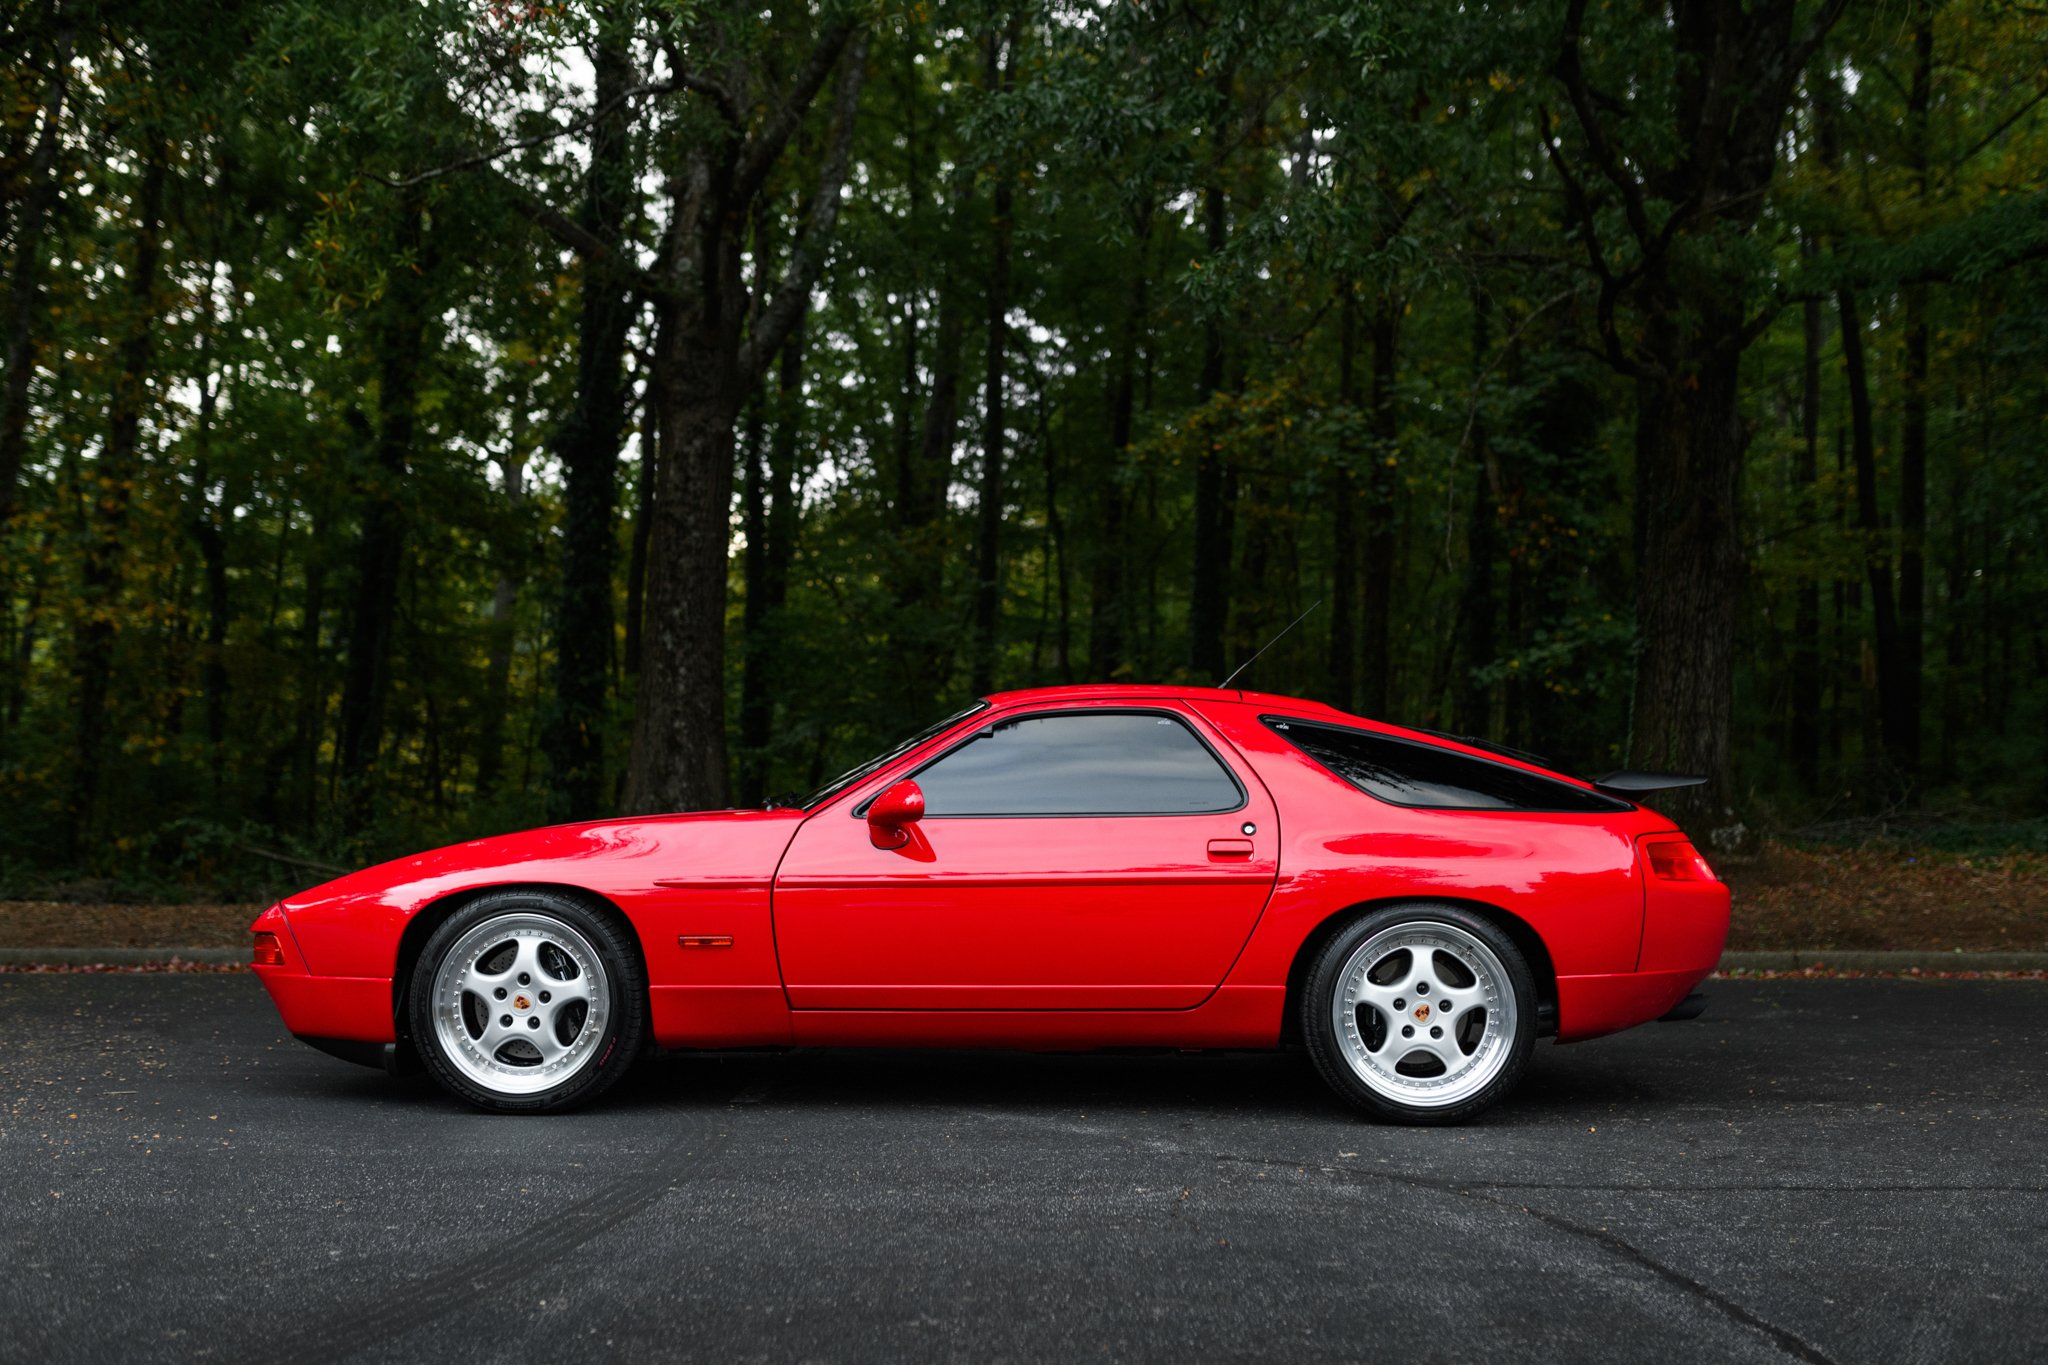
pixel 1627 782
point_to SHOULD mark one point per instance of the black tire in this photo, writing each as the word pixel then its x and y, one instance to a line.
pixel 1508 1048
pixel 598 1061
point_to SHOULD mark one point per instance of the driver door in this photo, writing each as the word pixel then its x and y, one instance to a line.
pixel 1085 857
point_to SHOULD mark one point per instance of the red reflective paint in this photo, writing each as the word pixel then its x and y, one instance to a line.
pixel 1042 931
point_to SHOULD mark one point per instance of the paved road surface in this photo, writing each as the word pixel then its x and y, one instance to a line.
pixel 1822 1171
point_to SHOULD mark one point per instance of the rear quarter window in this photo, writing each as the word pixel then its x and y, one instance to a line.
pixel 1404 772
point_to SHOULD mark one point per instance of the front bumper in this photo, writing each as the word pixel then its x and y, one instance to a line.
pixel 324 1010
pixel 395 1059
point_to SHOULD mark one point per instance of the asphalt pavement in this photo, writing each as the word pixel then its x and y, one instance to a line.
pixel 1848 1170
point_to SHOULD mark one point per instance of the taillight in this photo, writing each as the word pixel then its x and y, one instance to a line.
pixel 1676 860
pixel 268 952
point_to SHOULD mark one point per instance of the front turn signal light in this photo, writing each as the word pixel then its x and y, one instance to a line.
pixel 1676 860
pixel 268 952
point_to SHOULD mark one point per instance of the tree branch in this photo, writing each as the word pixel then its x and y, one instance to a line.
pixel 807 257
pixel 520 144
pixel 1573 75
pixel 1611 285
pixel 1969 251
pixel 1985 141
pixel 759 155
pixel 595 251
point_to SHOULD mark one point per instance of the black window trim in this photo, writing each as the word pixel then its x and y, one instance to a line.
pixel 990 723
pixel 1614 807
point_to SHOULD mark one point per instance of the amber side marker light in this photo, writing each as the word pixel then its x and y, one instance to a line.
pixel 704 940
pixel 1676 860
pixel 269 952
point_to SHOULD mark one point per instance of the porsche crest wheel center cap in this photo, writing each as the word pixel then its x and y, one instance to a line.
pixel 1421 1012
pixel 520 1002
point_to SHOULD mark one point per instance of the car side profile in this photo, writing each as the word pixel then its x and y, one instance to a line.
pixel 1063 868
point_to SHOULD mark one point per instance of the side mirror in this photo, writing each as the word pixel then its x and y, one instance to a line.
pixel 891 814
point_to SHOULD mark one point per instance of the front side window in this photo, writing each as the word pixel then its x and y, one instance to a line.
pixel 858 771
pixel 1081 763
pixel 1406 773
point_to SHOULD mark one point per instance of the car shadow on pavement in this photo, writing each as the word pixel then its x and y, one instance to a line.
pixel 1581 1087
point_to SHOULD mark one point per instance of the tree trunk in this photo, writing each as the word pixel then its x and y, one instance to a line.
pixel 643 506
pixel 755 647
pixel 25 280
pixel 490 762
pixel 1107 607
pixel 1689 446
pixel 1343 664
pixel 214 673
pixel 1376 626
pixel 713 341
pixel 1913 431
pixel 113 482
pixel 24 643
pixel 1476 612
pixel 768 573
pixel 1877 560
pixel 380 550
pixel 678 757
pixel 1803 741
pixel 923 644
pixel 1209 600
pixel 1056 543
pixel 1690 203
pixel 311 711
pixel 909 385
pixel 988 592
pixel 588 446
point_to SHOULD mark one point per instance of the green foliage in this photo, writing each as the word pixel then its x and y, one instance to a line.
pixel 1385 183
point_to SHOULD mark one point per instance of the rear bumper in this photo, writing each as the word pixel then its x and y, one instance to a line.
pixel 1692 1007
pixel 1685 926
pixel 1588 1006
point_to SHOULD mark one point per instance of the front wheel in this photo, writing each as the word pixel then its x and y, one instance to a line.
pixel 1421 1014
pixel 528 1000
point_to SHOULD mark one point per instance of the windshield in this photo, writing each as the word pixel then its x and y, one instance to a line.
pixel 860 770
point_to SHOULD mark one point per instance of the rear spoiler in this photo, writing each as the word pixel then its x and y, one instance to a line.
pixel 1627 782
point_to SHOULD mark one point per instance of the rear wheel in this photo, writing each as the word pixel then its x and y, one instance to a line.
pixel 528 1000
pixel 1420 1013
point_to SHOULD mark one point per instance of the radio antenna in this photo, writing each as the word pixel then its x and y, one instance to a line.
pixel 1270 643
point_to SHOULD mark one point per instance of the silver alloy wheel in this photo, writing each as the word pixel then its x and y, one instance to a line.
pixel 520 1003
pixel 1451 995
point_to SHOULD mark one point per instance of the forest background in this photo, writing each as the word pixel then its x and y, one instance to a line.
pixel 420 421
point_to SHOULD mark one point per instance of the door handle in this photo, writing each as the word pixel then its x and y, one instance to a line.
pixel 1230 848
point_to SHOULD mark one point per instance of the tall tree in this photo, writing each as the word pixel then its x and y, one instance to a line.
pixel 714 338
pixel 1000 78
pixel 24 281
pixel 115 475
pixel 386 455
pixel 1913 382
pixel 1688 160
pixel 588 446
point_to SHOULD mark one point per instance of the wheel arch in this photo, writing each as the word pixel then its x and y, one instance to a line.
pixel 1518 930
pixel 412 942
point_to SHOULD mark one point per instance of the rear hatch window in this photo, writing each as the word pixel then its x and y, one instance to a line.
pixel 1404 772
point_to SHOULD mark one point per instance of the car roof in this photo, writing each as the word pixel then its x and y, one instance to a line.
pixel 1155 691
pixel 1299 706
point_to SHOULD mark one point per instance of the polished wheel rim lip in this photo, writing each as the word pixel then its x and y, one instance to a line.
pixel 460 976
pixel 1464 1074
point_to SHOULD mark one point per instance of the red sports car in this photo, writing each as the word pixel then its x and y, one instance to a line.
pixel 1067 868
